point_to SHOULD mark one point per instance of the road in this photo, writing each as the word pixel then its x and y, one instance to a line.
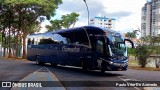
pixel 16 70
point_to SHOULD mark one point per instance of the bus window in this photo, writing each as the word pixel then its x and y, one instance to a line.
pixel 29 41
pixel 80 37
pixel 99 46
pixel 94 32
pixel 32 41
pixel 47 41
pixel 59 38
pixel 67 37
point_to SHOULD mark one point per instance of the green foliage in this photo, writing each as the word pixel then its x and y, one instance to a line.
pixel 23 17
pixel 131 51
pixel 55 25
pixel 66 21
pixel 153 45
pixel 39 7
pixel 0 37
pixel 142 52
pixel 69 19
pixel 130 35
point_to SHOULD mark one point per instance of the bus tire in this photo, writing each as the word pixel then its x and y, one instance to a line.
pixel 37 61
pixel 53 64
pixel 102 70
pixel 102 67
pixel 84 65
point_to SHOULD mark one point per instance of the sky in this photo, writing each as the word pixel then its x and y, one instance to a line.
pixel 126 12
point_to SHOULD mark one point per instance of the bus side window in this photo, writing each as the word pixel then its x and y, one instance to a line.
pixel 66 37
pixel 80 37
pixel 99 46
pixel 29 41
pixel 47 41
pixel 32 42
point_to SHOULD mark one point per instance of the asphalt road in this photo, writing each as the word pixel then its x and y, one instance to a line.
pixel 15 70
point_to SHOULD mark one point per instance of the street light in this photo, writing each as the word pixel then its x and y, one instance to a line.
pixel 87 10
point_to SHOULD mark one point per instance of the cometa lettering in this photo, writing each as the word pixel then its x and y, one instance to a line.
pixel 75 49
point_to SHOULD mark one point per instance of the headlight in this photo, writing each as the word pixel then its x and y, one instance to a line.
pixel 110 62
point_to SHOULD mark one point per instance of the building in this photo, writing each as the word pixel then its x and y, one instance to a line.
pixel 103 22
pixel 150 18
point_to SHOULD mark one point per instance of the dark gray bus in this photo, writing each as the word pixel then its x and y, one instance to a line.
pixel 89 47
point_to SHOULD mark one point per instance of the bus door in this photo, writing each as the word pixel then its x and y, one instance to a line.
pixel 102 51
pixel 100 46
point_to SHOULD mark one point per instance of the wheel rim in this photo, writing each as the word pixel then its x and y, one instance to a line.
pixel 37 61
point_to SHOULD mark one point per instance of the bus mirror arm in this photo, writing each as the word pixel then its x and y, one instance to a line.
pixel 130 42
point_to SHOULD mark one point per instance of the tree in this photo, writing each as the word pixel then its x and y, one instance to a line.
pixel 69 19
pixel 152 43
pixel 27 13
pixel 142 52
pixel 155 49
pixel 55 25
pixel 131 51
pixel 146 39
pixel 130 35
pixel 6 18
pixel 66 21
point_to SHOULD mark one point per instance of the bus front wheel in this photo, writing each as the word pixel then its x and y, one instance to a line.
pixel 84 65
pixel 102 70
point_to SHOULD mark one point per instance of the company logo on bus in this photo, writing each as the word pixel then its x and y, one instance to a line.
pixel 65 49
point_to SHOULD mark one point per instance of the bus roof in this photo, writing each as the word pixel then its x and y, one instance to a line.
pixel 85 27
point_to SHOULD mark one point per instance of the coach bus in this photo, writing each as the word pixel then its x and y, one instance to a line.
pixel 89 47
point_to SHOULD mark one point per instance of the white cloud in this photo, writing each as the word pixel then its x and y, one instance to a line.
pixel 127 23
pixel 126 12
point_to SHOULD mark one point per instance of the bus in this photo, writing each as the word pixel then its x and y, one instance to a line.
pixel 88 47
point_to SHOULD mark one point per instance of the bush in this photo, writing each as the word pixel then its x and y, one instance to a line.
pixel 142 52
pixel 131 51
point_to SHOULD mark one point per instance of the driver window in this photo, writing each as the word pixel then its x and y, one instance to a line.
pixel 99 46
pixel 29 41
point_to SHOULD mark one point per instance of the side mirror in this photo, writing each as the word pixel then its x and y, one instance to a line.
pixel 130 42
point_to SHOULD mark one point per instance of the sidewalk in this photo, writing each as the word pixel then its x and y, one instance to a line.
pixel 42 74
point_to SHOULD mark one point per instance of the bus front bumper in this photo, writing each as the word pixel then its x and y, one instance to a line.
pixel 114 66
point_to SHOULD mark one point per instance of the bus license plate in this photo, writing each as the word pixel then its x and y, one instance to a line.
pixel 119 69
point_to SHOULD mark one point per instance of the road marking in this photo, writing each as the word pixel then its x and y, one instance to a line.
pixel 125 80
pixel 42 74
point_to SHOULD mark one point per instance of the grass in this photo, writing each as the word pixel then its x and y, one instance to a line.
pixel 146 68
pixel 6 58
pixel 133 64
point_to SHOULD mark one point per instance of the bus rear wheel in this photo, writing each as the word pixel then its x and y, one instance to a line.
pixel 53 64
pixel 37 61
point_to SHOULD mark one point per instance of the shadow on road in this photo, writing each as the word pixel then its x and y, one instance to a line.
pixel 78 70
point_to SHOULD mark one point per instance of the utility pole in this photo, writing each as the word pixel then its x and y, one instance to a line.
pixel 87 10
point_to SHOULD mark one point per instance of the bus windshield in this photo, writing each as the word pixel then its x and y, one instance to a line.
pixel 118 46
